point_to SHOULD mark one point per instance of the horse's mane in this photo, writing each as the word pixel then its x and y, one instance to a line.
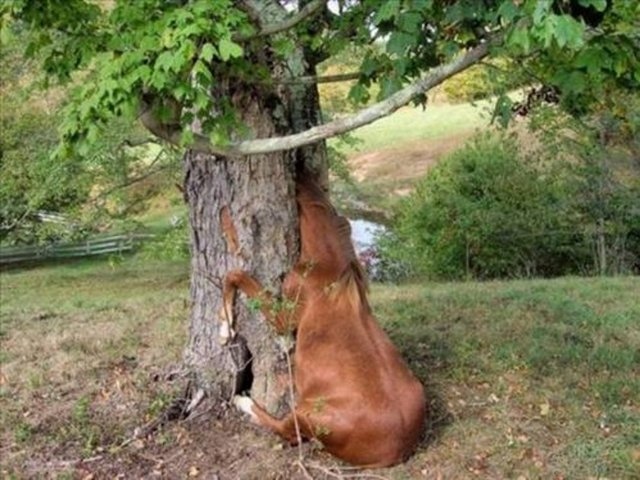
pixel 353 279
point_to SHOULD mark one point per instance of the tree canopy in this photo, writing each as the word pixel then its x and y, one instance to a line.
pixel 163 61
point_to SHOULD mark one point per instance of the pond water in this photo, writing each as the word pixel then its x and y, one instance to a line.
pixel 363 233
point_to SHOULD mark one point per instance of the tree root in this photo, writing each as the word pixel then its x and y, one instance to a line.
pixel 182 408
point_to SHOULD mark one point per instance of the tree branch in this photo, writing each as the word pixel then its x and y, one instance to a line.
pixel 290 22
pixel 138 143
pixel 321 132
pixel 340 77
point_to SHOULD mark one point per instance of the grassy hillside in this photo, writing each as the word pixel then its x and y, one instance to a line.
pixel 526 379
pixel 409 125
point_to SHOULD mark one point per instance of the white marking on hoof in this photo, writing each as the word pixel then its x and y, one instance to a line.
pixel 285 342
pixel 245 405
pixel 225 332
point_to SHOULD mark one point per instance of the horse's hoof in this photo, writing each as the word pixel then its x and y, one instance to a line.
pixel 225 332
pixel 285 342
pixel 245 405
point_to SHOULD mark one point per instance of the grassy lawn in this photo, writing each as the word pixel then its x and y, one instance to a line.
pixel 526 379
pixel 409 125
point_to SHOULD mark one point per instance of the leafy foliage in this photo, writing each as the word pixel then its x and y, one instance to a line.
pixel 491 211
pixel 169 58
pixel 30 181
pixel 484 80
pixel 178 62
pixel 111 180
pixel 602 153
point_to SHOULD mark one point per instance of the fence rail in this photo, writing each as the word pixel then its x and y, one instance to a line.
pixel 99 245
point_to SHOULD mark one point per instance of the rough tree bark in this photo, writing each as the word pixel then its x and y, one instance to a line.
pixel 259 193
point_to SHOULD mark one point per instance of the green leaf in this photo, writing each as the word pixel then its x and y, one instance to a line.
pixel 164 60
pixel 386 11
pixel 399 42
pixel 502 111
pixel 549 30
pixel 149 43
pixel 599 5
pixel 283 46
pixel 389 86
pixel 369 66
pixel 410 22
pixel 229 49
pixel 570 81
pixel 358 94
pixel 508 10
pixel 186 138
pixel 143 72
pixel 219 137
pixel 202 72
pixel 593 59
pixel 569 32
pixel 541 11
pixel 207 52
pixel 520 38
pixel 6 34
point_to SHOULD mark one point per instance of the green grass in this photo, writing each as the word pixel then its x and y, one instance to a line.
pixel 78 341
pixel 409 125
pixel 572 344
pixel 526 379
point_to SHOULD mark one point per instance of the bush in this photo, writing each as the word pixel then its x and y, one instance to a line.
pixel 30 181
pixel 485 212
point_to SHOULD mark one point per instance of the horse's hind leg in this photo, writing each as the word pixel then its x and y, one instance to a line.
pixel 237 279
pixel 285 427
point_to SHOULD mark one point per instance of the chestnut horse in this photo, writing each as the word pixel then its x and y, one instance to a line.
pixel 354 392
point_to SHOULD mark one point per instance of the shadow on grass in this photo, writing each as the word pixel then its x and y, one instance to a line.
pixel 425 355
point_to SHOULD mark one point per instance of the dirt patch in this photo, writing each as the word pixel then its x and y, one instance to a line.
pixel 217 443
pixel 406 163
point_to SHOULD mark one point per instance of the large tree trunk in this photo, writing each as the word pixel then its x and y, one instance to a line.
pixel 259 195
pixel 259 192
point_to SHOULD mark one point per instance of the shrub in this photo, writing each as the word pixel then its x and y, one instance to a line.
pixel 485 212
pixel 30 181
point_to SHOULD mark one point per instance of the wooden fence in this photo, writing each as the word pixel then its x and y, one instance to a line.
pixel 99 245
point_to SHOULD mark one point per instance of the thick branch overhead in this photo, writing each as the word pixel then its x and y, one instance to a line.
pixel 343 125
